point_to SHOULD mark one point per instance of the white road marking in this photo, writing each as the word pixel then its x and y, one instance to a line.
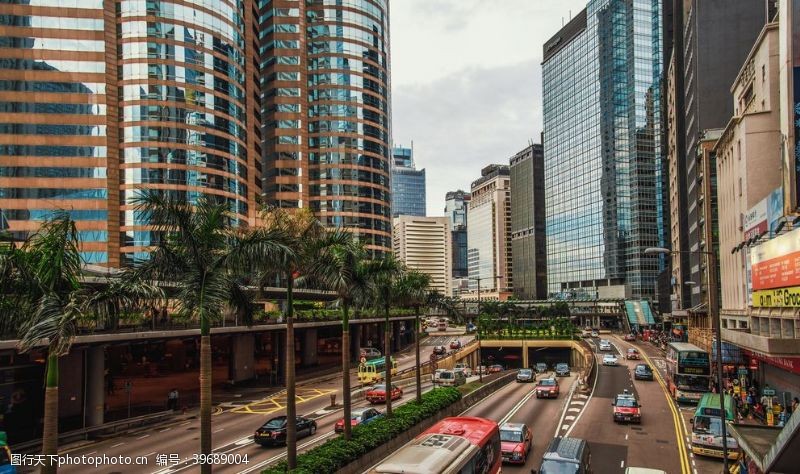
pixel 626 436
pixel 622 464
pixel 149 454
pixel 564 427
pixel 243 441
pixel 577 402
pixel 569 418
pixel 116 445
pixel 164 430
pixel 281 456
pixel 574 409
pixel 591 394
pixel 185 423
pixel 217 431
pixel 517 407
pixel 89 454
pixel 143 437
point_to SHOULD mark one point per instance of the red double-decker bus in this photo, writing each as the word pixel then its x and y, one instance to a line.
pixel 452 446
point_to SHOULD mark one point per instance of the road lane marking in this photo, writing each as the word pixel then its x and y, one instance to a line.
pixel 577 402
pixel 564 427
pixel 117 445
pixel 143 437
pixel 569 418
pixel 164 430
pixel 149 454
pixel 574 410
pixel 217 431
pixel 622 464
pixel 283 455
pixel 677 419
pixel 517 407
pixel 89 454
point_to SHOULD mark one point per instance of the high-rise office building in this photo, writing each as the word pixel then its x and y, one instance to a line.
pixel 528 253
pixel 100 100
pixel 408 184
pixel 325 102
pixel 489 231
pixel 456 208
pixel 423 243
pixel 716 37
pixel 603 151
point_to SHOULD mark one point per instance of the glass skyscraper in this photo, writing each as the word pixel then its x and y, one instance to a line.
pixel 603 152
pixel 408 184
pixel 103 99
pixel 456 208
pixel 325 104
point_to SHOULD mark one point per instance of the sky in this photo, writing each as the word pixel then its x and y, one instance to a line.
pixel 467 83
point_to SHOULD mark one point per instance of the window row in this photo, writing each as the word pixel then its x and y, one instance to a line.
pixel 179 156
pixel 51 172
pixel 165 9
pixel 165 113
pixel 186 95
pixel 347 64
pixel 339 48
pixel 54 87
pixel 63 65
pixel 351 206
pixel 53 22
pixel 52 193
pixel 185 34
pixel 52 108
pixel 45 214
pixel 186 136
pixel 54 151
pixel 171 72
pixel 54 44
pixel 47 129
pixel 347 95
pixel 89 4
pixel 180 177
pixel 336 158
pixel 130 197
pixel 349 190
pixel 348 142
pixel 182 54
pixel 356 222
pixel 330 174
pixel 342 126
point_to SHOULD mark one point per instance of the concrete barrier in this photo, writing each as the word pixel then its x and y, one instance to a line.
pixel 378 454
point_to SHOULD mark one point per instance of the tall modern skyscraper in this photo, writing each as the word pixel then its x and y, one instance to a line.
pixel 408 184
pixel 325 102
pixel 528 252
pixel 603 150
pixel 100 100
pixel 489 231
pixel 456 208
pixel 717 36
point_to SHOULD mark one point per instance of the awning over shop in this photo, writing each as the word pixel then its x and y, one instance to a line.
pixel 773 450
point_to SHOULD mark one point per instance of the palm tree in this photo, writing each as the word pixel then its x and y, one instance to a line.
pixel 412 289
pixel 47 269
pixel 384 275
pixel 203 254
pixel 342 268
pixel 303 235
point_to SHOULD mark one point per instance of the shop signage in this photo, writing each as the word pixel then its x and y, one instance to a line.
pixel 777 298
pixel 776 262
pixel 791 364
pixel 741 371
pixel 768 392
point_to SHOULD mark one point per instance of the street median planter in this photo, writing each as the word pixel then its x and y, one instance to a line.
pixel 373 442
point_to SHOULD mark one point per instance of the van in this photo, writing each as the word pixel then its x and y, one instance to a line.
pixel 566 455
pixel 449 378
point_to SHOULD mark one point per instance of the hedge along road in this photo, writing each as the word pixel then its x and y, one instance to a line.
pixel 181 438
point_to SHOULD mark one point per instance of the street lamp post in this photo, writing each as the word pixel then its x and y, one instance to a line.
pixel 716 319
pixel 478 326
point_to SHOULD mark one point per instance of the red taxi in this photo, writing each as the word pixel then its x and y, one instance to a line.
pixel 377 394
pixel 626 408
pixel 516 442
pixel 632 354
pixel 547 388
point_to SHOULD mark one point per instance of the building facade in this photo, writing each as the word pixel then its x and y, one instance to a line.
pixel 101 100
pixel 603 151
pixel 489 231
pixel 457 208
pixel 424 244
pixel 716 37
pixel 325 101
pixel 408 184
pixel 748 170
pixel 528 252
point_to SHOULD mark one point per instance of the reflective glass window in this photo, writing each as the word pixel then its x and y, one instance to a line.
pixel 55 44
pixel 45 214
pixel 47 129
pixel 52 193
pixel 53 22
pixel 59 87
pixel 64 65
pixel 53 150
pixel 52 108
pixel 51 172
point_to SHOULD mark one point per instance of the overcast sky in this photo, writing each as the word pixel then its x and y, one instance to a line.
pixel 467 82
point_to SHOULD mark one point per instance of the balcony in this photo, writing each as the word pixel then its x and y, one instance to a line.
pixel 766 345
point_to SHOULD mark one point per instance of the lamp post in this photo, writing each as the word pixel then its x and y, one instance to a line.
pixel 713 308
pixel 478 326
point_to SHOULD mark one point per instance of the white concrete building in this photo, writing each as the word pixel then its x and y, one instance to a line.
pixel 425 244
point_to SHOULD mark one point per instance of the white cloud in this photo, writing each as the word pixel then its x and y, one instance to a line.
pixel 466 82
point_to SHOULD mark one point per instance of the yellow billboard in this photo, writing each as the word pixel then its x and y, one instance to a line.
pixel 777 298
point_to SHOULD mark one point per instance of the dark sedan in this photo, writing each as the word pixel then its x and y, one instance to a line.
pixel 643 372
pixel 273 432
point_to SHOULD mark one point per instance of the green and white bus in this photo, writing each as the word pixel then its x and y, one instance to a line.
pixel 707 427
pixel 374 370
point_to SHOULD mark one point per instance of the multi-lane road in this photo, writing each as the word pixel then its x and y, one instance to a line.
pixel 233 425
pixel 660 441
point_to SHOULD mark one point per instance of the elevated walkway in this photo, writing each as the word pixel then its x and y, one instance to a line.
pixel 639 313
pixel 771 449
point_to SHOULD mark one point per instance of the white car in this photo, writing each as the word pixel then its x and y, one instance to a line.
pixel 605 345
pixel 463 368
pixel 609 359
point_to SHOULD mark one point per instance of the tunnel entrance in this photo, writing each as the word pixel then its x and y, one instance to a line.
pixel 508 357
pixel 549 355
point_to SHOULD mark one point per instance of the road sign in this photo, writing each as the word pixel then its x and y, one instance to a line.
pixel 741 371
pixel 768 392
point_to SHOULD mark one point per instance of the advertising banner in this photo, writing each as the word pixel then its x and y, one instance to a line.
pixel 755 221
pixel 776 262
pixel 777 298
pixel 791 364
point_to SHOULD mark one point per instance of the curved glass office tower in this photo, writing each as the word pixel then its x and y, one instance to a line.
pixel 325 90
pixel 98 103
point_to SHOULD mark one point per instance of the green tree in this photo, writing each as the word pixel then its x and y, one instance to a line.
pixel 341 267
pixel 46 272
pixel 413 290
pixel 203 253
